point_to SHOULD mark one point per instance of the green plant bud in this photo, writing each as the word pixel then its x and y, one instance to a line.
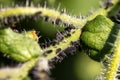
pixel 97 37
pixel 96 32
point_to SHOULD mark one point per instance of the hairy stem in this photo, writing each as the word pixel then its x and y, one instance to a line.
pixel 115 60
pixel 52 14
pixel 64 44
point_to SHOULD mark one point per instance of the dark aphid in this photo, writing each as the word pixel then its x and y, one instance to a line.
pixel 62 54
pixel 48 44
pixel 68 35
pixel 38 13
pixel 69 28
pixel 59 36
pixel 108 4
pixel 70 50
pixel 58 50
pixel 46 18
pixel 53 22
pixel 9 21
pixel 76 43
pixel 60 57
pixel 49 51
pixel 65 24
pixel 43 45
pixel 57 21
pixel 54 42
pixel 57 59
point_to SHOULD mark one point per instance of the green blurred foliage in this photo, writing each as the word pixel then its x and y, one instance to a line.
pixel 77 7
pixel 86 68
pixel 6 2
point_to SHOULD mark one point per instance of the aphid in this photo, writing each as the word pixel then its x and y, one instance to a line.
pixel 68 35
pixel 58 50
pixel 49 51
pixel 57 21
pixel 38 13
pixel 46 18
pixel 70 50
pixel 59 36
pixel 54 42
pixel 108 4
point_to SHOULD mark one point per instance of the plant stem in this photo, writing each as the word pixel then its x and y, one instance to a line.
pixel 115 61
